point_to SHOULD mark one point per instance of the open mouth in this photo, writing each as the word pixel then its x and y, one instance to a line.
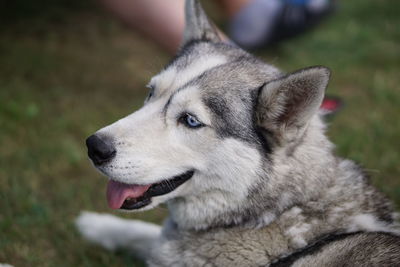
pixel 131 196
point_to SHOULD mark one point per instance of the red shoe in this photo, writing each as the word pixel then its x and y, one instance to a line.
pixel 331 105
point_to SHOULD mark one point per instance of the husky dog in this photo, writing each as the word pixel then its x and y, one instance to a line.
pixel 237 151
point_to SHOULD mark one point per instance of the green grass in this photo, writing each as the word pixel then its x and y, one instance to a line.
pixel 69 69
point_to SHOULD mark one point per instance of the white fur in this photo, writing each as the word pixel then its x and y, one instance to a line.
pixel 112 232
pixel 173 78
pixel 296 233
pixel 367 222
pixel 223 185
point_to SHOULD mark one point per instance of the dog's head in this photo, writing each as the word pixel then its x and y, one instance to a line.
pixel 206 136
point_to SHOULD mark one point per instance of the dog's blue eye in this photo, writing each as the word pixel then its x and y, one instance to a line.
pixel 190 121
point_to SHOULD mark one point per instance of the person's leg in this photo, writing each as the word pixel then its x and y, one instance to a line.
pixel 253 23
pixel 161 20
pixel 232 7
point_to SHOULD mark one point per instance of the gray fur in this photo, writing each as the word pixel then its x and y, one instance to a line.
pixel 198 26
pixel 363 249
pixel 268 188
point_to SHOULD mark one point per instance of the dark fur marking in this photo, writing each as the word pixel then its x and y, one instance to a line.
pixel 225 126
pixel 185 86
pixel 249 132
pixel 166 106
pixel 264 136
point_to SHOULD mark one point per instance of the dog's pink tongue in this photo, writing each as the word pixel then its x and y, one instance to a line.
pixel 117 193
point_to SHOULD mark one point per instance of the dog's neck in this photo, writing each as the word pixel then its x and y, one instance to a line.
pixel 295 229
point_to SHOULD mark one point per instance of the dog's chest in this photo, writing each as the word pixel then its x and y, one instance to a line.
pixel 229 247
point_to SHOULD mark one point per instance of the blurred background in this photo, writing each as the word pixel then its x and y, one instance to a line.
pixel 68 68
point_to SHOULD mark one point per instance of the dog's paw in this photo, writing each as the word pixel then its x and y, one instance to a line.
pixel 113 233
pixel 98 228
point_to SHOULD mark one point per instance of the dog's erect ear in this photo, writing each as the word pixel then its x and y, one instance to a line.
pixel 198 26
pixel 288 103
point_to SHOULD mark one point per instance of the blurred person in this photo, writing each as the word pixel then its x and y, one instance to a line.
pixel 252 23
pixel 263 22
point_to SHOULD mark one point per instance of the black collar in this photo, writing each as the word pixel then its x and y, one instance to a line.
pixel 311 249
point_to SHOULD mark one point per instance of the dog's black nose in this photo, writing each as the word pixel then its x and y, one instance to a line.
pixel 100 150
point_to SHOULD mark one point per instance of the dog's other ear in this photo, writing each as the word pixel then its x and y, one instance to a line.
pixel 198 26
pixel 285 105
